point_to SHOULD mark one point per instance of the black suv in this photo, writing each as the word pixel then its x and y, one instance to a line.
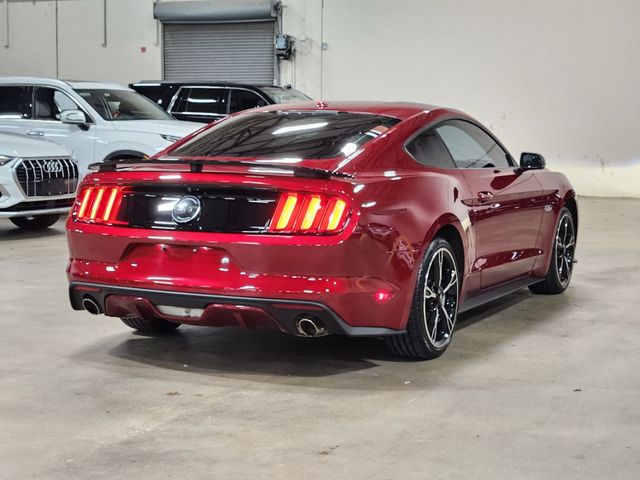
pixel 209 101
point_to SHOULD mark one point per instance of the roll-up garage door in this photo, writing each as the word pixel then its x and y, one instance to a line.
pixel 234 52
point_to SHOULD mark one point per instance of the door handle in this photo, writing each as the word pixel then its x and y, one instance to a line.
pixel 35 133
pixel 485 196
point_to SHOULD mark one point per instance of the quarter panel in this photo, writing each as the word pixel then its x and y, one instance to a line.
pixel 402 214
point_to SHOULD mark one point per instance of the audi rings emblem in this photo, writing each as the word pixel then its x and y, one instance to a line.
pixel 52 166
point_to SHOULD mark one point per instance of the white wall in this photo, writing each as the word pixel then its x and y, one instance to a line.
pixel 555 76
pixel 133 50
pixel 30 48
pixel 80 37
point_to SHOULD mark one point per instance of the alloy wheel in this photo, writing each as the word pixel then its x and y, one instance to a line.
pixel 565 249
pixel 441 298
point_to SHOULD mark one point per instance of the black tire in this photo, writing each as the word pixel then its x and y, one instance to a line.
pixel 561 264
pixel 157 325
pixel 33 224
pixel 431 302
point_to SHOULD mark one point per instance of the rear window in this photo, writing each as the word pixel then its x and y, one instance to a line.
pixel 309 135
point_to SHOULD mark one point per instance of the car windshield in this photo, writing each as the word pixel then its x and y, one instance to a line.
pixel 285 95
pixel 287 134
pixel 114 105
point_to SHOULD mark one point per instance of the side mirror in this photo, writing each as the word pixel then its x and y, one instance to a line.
pixel 75 117
pixel 532 161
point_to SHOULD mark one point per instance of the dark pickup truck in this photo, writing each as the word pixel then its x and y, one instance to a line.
pixel 209 101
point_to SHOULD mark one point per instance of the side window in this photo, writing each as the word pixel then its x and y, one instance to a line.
pixel 428 149
pixel 64 102
pixel 15 102
pixel 471 147
pixel 50 103
pixel 96 101
pixel 205 101
pixel 180 104
pixel 44 106
pixel 244 100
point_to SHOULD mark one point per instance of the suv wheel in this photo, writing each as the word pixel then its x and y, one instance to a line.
pixel 34 224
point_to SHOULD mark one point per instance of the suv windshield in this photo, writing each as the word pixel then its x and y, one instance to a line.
pixel 297 134
pixel 122 105
pixel 285 95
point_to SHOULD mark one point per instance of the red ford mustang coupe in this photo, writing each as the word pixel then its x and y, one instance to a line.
pixel 376 219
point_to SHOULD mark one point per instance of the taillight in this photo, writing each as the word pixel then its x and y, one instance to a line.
pixel 309 213
pixel 99 205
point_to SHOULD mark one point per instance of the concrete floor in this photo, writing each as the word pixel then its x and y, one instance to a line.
pixel 532 386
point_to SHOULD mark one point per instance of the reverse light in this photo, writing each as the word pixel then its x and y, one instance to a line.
pixel 301 213
pixel 99 205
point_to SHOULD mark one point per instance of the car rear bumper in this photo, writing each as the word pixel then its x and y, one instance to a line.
pixel 353 277
pixel 13 203
pixel 32 213
pixel 217 310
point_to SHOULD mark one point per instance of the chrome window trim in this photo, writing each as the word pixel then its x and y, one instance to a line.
pixel 177 94
pixel 211 87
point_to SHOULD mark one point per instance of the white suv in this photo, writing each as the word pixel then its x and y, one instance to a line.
pixel 97 121
pixel 38 181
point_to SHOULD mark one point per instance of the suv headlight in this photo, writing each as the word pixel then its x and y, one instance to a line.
pixel 6 159
pixel 171 138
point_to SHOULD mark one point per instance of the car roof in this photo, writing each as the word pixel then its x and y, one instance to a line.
pixel 213 83
pixel 80 84
pixel 400 110
pixel 62 83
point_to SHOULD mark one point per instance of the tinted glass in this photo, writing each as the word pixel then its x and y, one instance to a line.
pixel 123 105
pixel 244 100
pixel 206 101
pixel 45 107
pixel 471 147
pixel 153 92
pixel 180 103
pixel 285 95
pixel 15 102
pixel 429 150
pixel 309 135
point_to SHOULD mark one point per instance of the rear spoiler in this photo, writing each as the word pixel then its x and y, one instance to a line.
pixel 197 166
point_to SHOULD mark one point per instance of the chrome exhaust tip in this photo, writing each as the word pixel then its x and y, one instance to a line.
pixel 310 327
pixel 91 306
